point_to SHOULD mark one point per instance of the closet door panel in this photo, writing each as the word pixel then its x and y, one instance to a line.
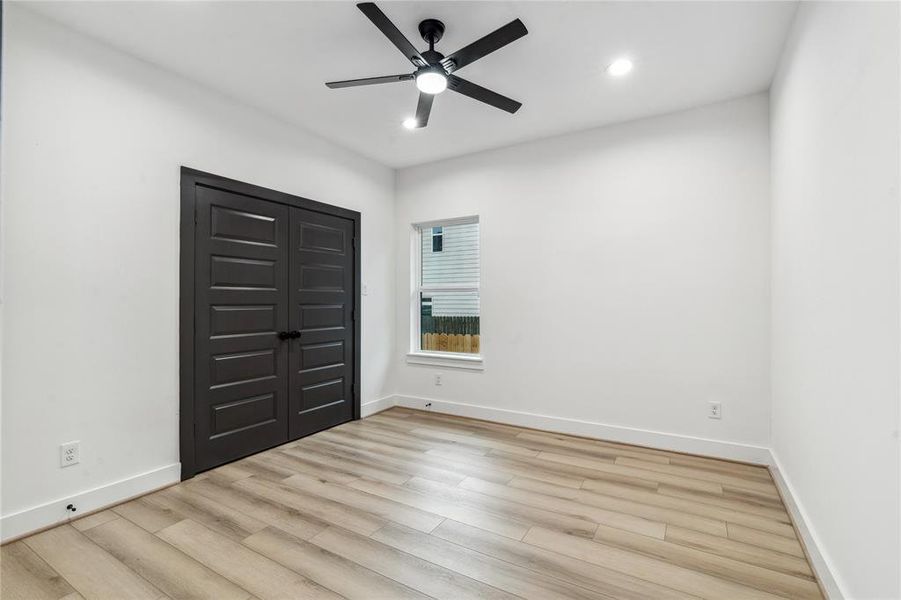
pixel 242 253
pixel 322 311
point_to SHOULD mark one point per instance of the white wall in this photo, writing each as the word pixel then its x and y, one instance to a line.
pixel 835 171
pixel 625 273
pixel 92 145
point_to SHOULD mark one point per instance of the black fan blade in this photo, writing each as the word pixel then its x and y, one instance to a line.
pixel 423 109
pixel 368 81
pixel 495 40
pixel 380 20
pixel 477 92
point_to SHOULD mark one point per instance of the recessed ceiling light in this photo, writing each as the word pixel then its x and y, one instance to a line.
pixel 619 67
pixel 410 123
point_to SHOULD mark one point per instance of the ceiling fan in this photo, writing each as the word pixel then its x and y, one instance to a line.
pixel 434 71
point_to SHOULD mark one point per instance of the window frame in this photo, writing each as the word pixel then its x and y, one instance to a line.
pixel 439 236
pixel 443 359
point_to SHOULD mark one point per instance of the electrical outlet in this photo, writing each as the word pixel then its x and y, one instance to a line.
pixel 437 378
pixel 69 454
pixel 714 410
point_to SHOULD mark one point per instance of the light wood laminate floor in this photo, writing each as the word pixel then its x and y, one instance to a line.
pixel 408 504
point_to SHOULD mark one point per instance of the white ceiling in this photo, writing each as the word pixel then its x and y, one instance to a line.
pixel 277 55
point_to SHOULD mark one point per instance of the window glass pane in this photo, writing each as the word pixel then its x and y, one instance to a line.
pixel 456 258
pixel 449 322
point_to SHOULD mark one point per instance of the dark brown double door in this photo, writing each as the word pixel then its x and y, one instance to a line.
pixel 274 324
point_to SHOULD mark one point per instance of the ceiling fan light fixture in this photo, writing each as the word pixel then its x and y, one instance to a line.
pixel 620 67
pixel 431 81
pixel 410 123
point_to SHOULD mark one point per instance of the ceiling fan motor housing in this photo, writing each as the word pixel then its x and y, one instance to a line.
pixel 433 57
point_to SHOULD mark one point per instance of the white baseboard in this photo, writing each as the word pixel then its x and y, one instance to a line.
pixel 374 406
pixel 819 560
pixel 39 517
pixel 603 431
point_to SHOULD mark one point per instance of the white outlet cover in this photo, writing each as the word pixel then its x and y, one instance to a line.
pixel 715 410
pixel 69 454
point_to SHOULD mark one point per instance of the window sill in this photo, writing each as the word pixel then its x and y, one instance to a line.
pixel 447 360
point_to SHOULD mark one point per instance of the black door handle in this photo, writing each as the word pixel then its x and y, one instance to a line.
pixel 295 334
pixel 284 335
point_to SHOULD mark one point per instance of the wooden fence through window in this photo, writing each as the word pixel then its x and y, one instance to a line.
pixel 450 334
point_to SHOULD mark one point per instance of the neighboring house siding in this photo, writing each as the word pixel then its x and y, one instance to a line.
pixel 456 263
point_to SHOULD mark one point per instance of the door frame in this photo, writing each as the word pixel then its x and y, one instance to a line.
pixel 190 178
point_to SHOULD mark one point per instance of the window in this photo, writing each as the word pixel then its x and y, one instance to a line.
pixel 446 311
pixel 437 239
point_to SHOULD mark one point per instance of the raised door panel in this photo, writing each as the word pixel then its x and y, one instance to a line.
pixel 322 310
pixel 241 293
